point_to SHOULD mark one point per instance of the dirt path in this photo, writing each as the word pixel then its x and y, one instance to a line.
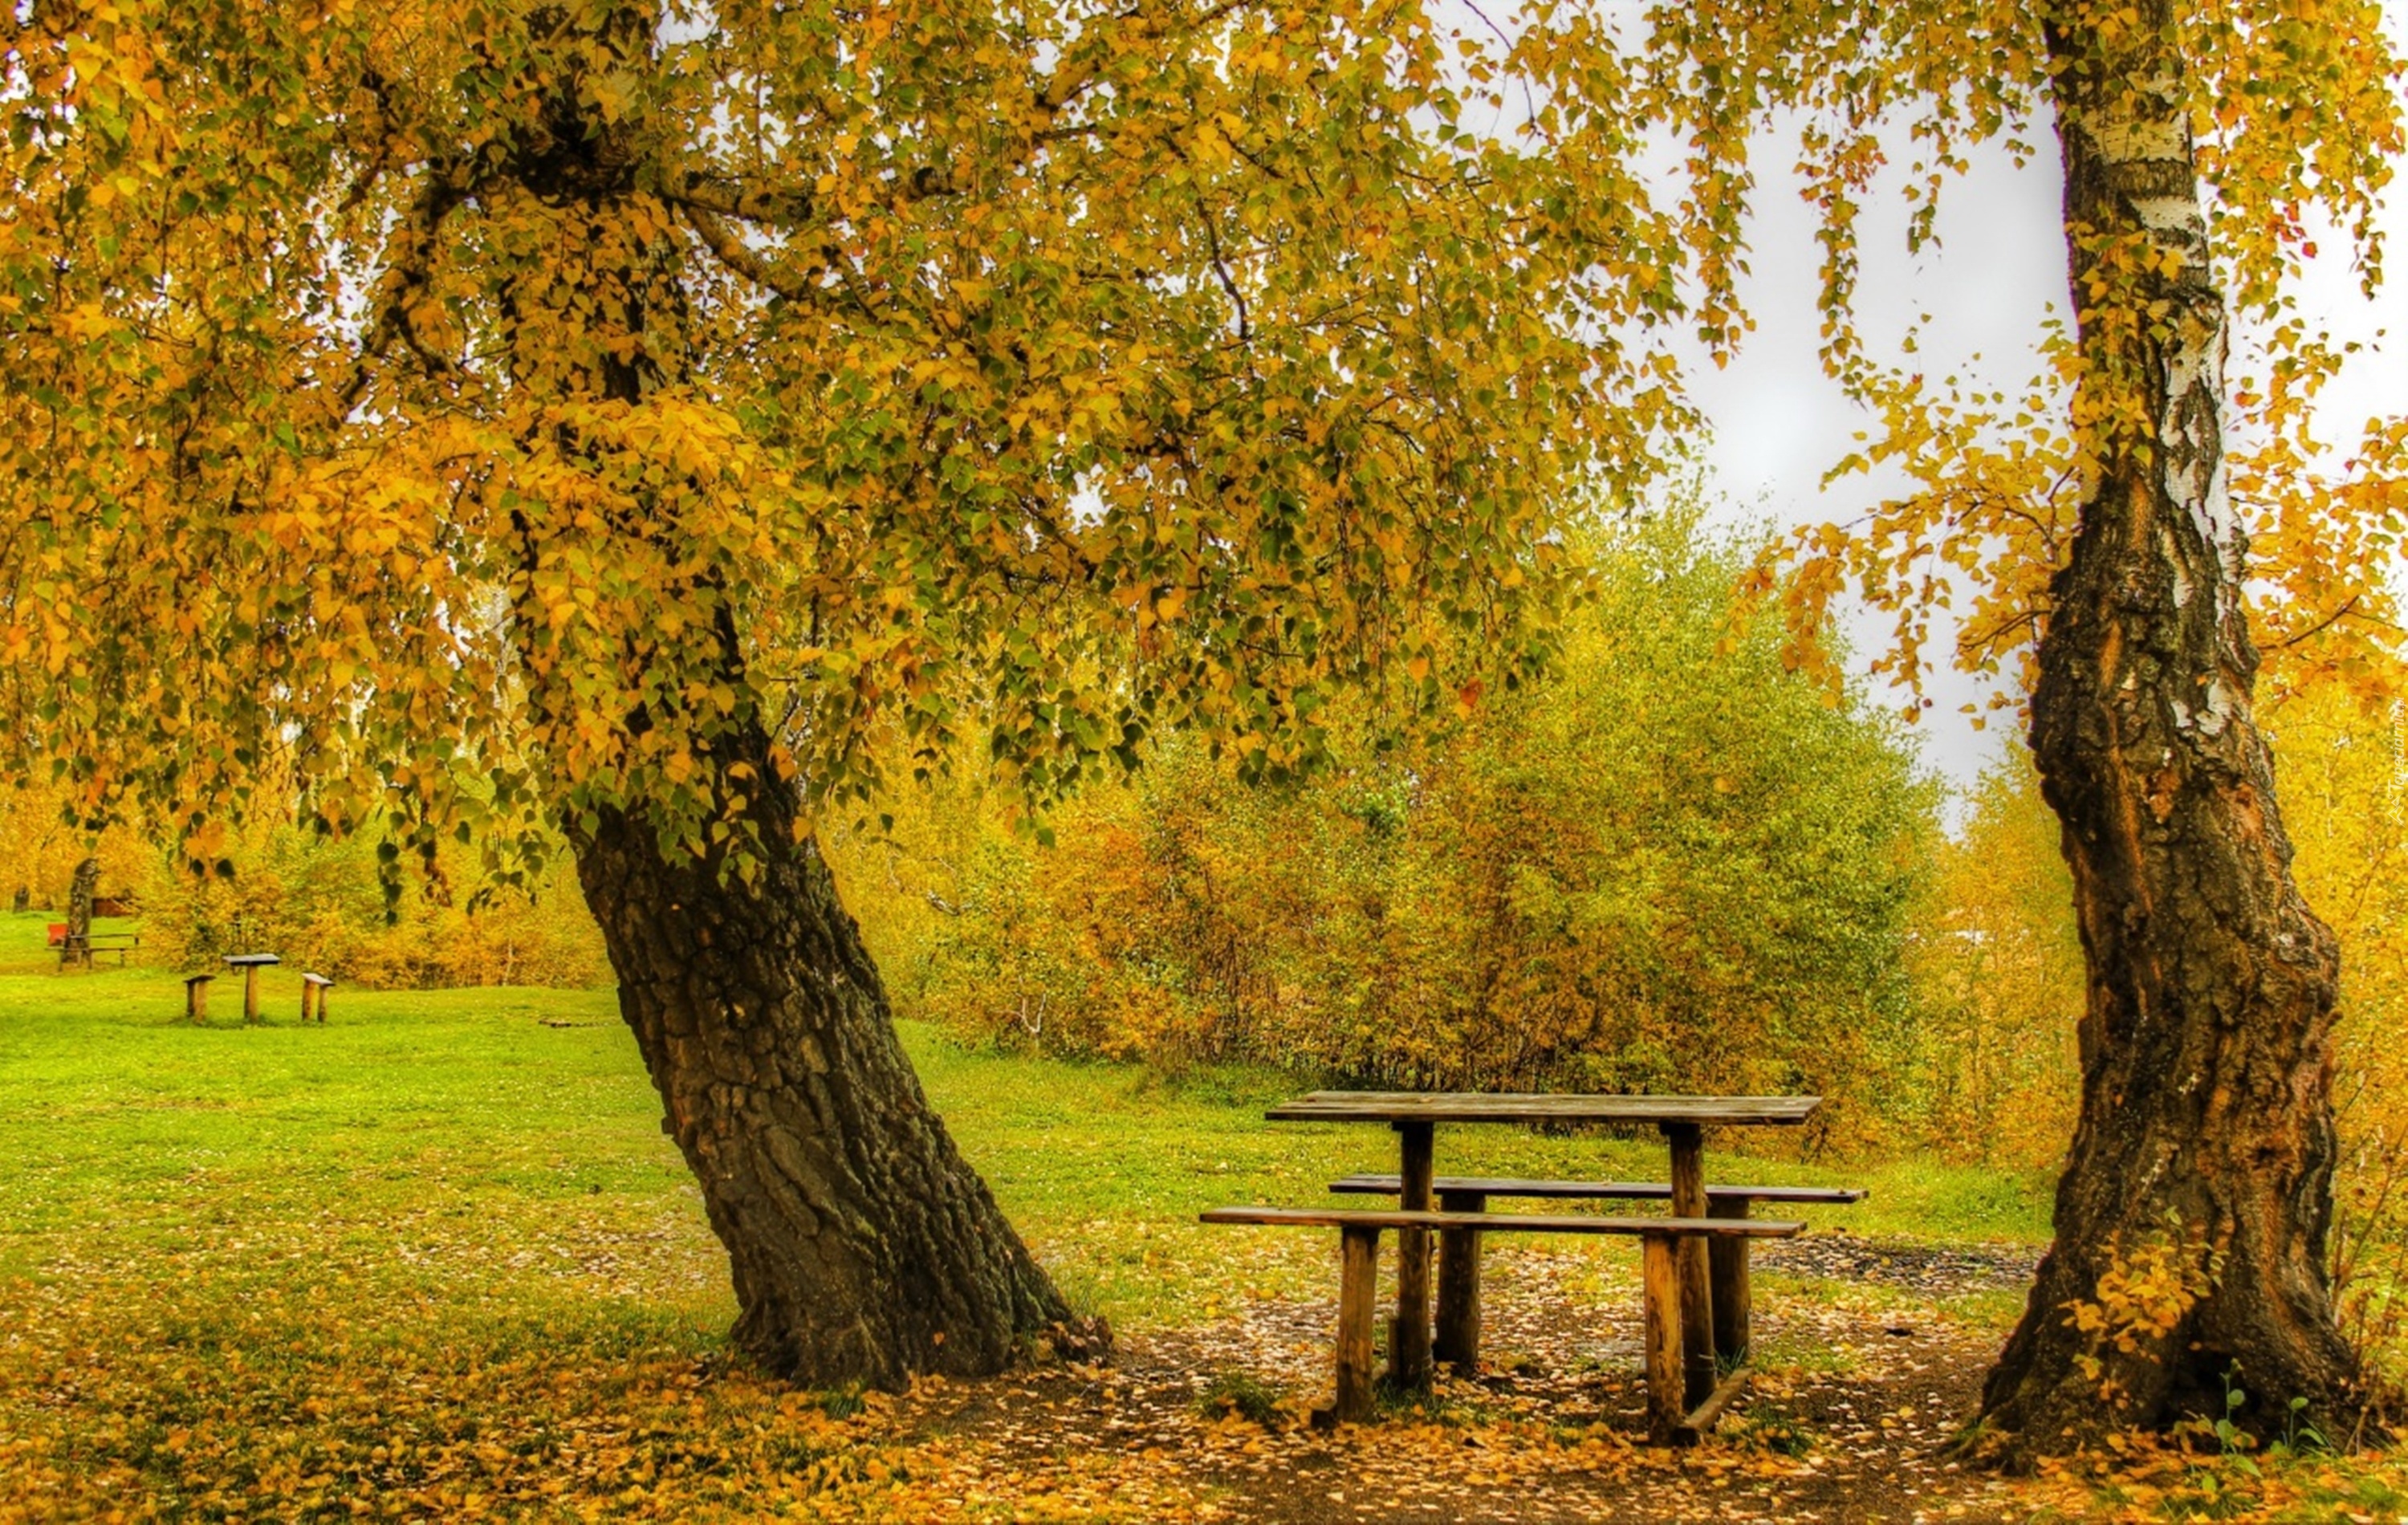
pixel 1875 1356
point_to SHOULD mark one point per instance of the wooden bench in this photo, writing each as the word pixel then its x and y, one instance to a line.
pixel 1670 1418
pixel 313 996
pixel 79 950
pixel 1457 1338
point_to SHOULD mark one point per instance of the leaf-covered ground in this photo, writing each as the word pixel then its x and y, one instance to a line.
pixel 435 1261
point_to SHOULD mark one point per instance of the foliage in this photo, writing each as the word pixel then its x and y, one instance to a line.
pixel 2297 112
pixel 461 416
pixel 2345 789
pixel 1998 969
pixel 40 846
pixel 333 906
pixel 1675 866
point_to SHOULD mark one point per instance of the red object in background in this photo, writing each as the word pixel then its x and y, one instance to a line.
pixel 58 933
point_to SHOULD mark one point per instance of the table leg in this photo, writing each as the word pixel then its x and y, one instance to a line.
pixel 1457 1339
pixel 1728 1262
pixel 250 994
pixel 1697 1295
pixel 1408 1338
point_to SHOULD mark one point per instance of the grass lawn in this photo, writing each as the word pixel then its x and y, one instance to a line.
pixel 436 1258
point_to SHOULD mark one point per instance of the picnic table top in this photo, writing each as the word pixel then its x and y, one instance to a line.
pixel 1515 1107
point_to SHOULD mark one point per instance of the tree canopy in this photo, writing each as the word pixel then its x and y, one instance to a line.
pixel 404 398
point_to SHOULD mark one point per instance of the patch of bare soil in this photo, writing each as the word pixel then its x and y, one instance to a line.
pixel 1871 1360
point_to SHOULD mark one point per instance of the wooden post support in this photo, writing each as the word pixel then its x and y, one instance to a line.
pixel 1727 1265
pixel 1408 1338
pixel 1358 1275
pixel 1456 1339
pixel 1696 1292
pixel 250 964
pixel 1661 1307
pixel 196 999
pixel 313 996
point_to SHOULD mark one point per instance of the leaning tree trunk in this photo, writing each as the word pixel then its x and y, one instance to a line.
pixel 2189 1256
pixel 864 1248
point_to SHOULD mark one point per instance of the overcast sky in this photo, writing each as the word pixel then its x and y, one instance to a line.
pixel 1997 272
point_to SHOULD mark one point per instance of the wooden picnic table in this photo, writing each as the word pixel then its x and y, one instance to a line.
pixel 1414 1116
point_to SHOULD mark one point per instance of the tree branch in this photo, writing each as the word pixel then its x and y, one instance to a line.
pixel 450 181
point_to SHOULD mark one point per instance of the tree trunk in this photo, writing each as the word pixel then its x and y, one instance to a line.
pixel 80 890
pixel 2189 1257
pixel 864 1248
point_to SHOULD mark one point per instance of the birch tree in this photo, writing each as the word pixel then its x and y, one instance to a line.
pixel 2099 526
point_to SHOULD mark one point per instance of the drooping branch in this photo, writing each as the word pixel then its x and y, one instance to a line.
pixel 449 180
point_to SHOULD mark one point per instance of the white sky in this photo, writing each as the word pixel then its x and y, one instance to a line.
pixel 1998 269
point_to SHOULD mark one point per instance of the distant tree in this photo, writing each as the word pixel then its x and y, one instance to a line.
pixel 2000 970
pixel 632 418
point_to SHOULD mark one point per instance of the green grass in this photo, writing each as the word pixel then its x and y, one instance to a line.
pixel 421 1138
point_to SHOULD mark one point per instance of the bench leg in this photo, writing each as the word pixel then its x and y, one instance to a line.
pixel 1457 1338
pixel 1358 1271
pixel 1661 1307
pixel 1408 1338
pixel 251 995
pixel 1726 1261
pixel 1696 1293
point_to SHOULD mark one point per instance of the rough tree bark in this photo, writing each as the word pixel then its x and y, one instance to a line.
pixel 80 891
pixel 864 1248
pixel 2192 1214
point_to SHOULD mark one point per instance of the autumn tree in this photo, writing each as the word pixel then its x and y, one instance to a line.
pixel 2100 525
pixel 636 418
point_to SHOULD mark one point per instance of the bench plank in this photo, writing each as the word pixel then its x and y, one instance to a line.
pixel 1510 1107
pixel 1386 1185
pixel 1521 1223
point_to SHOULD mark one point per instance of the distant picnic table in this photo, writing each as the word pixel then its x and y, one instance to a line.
pixel 1694 1272
pixel 77 949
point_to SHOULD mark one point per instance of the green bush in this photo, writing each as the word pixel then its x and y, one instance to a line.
pixel 1677 866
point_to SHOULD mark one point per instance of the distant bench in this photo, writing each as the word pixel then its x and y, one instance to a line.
pixel 1668 1419
pixel 79 950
